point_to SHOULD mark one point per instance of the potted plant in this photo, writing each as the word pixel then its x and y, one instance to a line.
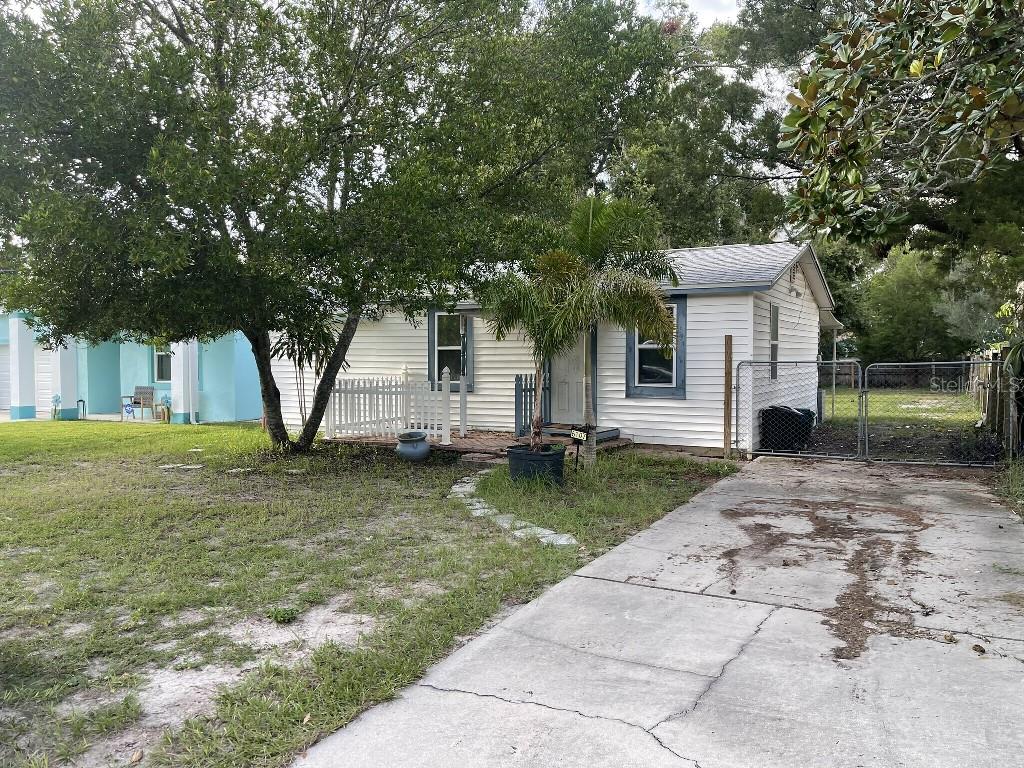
pixel 605 270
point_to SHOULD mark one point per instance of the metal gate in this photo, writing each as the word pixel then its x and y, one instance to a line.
pixel 799 408
pixel 959 412
pixel 955 412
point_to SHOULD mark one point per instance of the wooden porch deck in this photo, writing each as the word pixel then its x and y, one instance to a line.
pixel 484 444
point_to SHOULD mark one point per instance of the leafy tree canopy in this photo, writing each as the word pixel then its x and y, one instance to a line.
pixel 181 170
pixel 910 98
pixel 707 159
pixel 899 313
pixel 781 33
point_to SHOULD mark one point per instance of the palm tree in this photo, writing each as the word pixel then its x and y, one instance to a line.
pixel 606 270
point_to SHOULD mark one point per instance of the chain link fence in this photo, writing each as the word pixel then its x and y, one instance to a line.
pixel 809 408
pixel 960 412
pixel 953 412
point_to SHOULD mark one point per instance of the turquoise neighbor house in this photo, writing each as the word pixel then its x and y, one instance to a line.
pixel 214 381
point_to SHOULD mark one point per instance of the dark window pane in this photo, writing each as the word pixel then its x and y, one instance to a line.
pixel 163 366
pixel 774 357
pixel 775 322
pixel 653 367
pixel 452 359
pixel 449 333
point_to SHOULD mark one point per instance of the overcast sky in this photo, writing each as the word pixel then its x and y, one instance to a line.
pixel 713 10
pixel 707 11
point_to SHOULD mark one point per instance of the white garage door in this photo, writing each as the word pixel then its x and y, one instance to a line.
pixel 5 377
pixel 44 406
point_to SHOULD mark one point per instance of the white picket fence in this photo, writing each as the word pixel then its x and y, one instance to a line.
pixel 386 406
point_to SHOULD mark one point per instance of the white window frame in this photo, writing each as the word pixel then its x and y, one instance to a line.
pixel 650 345
pixel 157 352
pixel 455 375
pixel 774 332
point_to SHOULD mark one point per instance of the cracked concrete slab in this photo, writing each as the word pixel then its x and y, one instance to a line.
pixel 430 728
pixel 797 614
pixel 783 703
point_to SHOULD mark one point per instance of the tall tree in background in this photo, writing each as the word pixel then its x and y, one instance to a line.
pixel 181 170
pixel 899 317
pixel 782 33
pixel 909 99
pixel 707 158
pixel 910 125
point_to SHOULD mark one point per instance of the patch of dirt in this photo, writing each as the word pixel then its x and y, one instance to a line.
pixel 168 698
pixel 883 540
pixel 415 593
pixel 89 699
pixel 295 641
pixel 77 628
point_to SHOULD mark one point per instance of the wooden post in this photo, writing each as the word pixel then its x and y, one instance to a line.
pixel 727 400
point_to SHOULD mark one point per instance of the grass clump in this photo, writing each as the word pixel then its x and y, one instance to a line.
pixel 284 615
pixel 623 493
pixel 1011 484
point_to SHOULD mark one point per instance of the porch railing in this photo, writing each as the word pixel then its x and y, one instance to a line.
pixel 526 389
pixel 386 406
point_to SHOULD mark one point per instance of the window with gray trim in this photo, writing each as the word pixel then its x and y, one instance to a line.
pixel 652 371
pixel 652 365
pixel 450 345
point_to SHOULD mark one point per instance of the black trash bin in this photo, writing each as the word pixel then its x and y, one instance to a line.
pixel 784 428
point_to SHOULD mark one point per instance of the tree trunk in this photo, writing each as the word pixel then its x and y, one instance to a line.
pixel 326 383
pixel 590 447
pixel 537 425
pixel 260 342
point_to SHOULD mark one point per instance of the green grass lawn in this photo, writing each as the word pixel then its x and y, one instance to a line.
pixel 907 424
pixel 905 406
pixel 123 584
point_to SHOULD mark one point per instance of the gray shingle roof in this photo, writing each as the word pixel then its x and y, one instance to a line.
pixel 732 265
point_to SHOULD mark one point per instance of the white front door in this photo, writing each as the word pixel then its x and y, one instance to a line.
pixel 567 387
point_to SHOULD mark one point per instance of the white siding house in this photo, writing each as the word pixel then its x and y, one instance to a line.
pixel 680 401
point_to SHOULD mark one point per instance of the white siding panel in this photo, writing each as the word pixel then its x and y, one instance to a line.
pixel 696 421
pixel 384 347
pixel 44 387
pixel 5 377
pixel 796 385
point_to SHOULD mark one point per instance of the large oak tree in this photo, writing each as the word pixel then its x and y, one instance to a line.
pixel 181 169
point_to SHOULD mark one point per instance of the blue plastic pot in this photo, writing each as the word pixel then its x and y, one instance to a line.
pixel 413 446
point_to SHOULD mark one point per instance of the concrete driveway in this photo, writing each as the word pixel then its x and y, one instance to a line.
pixel 820 614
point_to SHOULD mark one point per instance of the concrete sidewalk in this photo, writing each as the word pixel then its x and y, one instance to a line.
pixel 797 614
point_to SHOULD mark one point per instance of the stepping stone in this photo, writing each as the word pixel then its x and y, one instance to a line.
pixel 170 466
pixel 191 466
pixel 476 457
pixel 241 470
pixel 560 540
pixel 196 450
pixel 505 521
pixel 532 532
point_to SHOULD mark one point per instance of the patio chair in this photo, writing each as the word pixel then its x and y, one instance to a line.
pixel 141 399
